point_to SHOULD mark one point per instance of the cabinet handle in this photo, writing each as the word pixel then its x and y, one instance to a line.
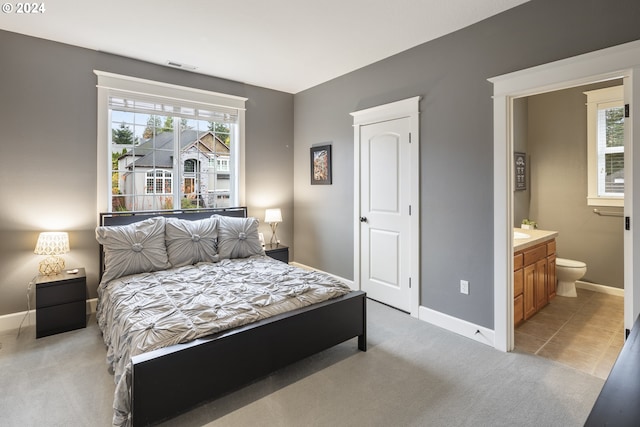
pixel 363 219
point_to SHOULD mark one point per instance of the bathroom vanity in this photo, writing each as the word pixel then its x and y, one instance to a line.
pixel 534 271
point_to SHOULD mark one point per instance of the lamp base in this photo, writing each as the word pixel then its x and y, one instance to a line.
pixel 51 265
pixel 274 239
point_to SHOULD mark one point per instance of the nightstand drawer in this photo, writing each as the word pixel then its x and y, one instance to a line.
pixel 55 293
pixel 60 318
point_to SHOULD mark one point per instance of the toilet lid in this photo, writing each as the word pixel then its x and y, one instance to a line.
pixel 569 263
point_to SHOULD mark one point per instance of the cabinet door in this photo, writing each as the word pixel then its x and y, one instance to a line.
pixel 518 282
pixel 551 277
pixel 541 283
pixel 529 301
pixel 518 298
pixel 518 310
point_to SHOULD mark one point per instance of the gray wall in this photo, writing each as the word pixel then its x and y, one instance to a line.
pixel 456 139
pixel 557 136
pixel 48 107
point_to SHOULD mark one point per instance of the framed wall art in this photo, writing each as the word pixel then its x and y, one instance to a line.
pixel 321 165
pixel 520 169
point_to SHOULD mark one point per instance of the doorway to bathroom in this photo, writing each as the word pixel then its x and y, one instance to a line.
pixel 620 62
pixel 584 329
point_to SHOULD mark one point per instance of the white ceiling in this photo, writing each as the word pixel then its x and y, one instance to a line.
pixel 287 45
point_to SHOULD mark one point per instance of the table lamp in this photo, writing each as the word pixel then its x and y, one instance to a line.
pixel 52 243
pixel 273 217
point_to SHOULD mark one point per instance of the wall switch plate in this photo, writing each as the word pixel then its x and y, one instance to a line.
pixel 464 287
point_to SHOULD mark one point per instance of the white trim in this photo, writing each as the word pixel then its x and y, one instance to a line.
pixel 12 321
pixel 458 326
pixel 342 279
pixel 612 63
pixel 185 94
pixel 605 64
pixel 602 289
pixel 395 110
pixel 239 164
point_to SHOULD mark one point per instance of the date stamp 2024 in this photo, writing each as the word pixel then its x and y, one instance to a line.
pixel 23 8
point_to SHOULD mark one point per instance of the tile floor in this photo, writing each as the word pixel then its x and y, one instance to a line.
pixel 586 332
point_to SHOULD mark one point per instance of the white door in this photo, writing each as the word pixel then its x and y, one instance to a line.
pixel 385 223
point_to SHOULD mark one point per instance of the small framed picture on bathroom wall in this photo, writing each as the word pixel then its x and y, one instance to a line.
pixel 520 170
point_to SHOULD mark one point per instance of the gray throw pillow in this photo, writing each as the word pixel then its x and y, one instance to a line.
pixel 190 242
pixel 133 248
pixel 238 237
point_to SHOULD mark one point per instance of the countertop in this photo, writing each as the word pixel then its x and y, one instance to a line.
pixel 537 236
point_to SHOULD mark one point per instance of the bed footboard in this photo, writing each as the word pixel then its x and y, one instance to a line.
pixel 170 381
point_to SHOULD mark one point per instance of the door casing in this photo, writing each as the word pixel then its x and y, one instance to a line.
pixel 611 63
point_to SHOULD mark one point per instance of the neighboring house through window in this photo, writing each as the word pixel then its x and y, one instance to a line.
pixel 605 146
pixel 161 146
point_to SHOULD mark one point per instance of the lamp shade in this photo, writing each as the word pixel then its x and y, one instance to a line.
pixel 272 215
pixel 52 243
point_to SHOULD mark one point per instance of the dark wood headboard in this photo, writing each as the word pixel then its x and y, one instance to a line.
pixel 129 217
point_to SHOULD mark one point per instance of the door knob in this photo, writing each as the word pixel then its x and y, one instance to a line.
pixel 363 219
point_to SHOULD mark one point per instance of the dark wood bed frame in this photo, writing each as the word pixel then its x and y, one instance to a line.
pixel 173 380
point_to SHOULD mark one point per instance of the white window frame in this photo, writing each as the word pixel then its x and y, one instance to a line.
pixel 109 83
pixel 599 99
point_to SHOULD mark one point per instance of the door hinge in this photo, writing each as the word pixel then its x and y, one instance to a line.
pixel 409 137
pixel 409 210
pixel 409 282
pixel 627 223
pixel 626 110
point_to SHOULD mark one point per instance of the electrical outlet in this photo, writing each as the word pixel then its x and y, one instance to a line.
pixel 464 287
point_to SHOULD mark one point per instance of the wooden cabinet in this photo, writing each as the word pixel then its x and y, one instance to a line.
pixel 534 279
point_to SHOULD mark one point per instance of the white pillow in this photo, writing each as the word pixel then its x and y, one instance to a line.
pixel 190 242
pixel 133 248
pixel 238 237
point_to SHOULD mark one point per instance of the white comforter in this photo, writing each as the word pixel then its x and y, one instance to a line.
pixel 147 311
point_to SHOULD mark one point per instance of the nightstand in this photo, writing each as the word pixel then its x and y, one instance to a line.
pixel 279 252
pixel 61 303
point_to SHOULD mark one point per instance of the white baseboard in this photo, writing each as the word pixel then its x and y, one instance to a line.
pixel 12 321
pixel 349 283
pixel 459 326
pixel 600 288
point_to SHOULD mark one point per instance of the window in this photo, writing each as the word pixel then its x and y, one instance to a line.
pixel 189 166
pixel 222 164
pixel 605 146
pixel 150 134
pixel 158 182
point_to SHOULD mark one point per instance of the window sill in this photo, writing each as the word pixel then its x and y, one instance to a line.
pixel 605 201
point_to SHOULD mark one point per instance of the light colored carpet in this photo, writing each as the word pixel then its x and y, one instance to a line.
pixel 414 374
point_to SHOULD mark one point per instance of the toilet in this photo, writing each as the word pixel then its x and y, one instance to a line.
pixel 568 271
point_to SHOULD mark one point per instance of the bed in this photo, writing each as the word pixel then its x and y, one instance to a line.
pixel 183 371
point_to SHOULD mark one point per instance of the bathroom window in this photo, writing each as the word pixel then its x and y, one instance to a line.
pixel 605 139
